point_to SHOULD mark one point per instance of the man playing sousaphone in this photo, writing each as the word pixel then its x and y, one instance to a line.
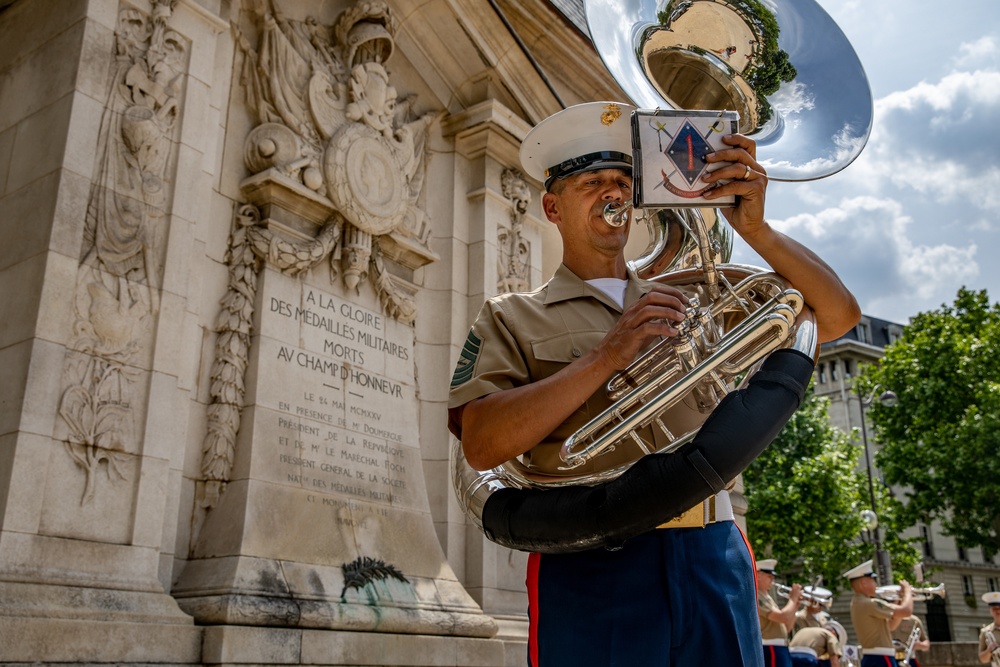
pixel 874 619
pixel 533 371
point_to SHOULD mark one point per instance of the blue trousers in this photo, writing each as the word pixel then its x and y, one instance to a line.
pixel 805 660
pixel 878 661
pixel 683 597
pixel 777 656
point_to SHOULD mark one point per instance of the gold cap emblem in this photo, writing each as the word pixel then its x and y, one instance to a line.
pixel 612 112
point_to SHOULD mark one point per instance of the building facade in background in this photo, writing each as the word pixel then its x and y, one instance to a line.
pixel 966 573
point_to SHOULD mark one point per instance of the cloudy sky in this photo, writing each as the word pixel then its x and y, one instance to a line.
pixel 917 215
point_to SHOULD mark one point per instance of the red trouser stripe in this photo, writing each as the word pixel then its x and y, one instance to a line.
pixel 532 583
pixel 753 558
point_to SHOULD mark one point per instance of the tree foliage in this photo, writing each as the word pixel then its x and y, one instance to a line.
pixel 941 442
pixel 805 495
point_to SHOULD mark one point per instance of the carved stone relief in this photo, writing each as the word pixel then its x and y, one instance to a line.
pixel 513 251
pixel 118 281
pixel 334 136
pixel 330 120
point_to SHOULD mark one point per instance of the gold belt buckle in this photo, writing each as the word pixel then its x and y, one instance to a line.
pixel 697 517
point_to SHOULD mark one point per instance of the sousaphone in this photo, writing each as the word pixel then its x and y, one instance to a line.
pixel 802 95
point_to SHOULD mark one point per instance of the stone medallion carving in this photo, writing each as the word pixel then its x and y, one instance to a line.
pixel 368 184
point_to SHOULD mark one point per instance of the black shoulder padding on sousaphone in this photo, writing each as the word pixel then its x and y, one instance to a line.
pixel 657 487
pixel 784 65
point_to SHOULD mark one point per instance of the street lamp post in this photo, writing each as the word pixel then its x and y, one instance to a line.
pixel 888 399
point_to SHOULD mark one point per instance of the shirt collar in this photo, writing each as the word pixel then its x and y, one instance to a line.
pixel 566 285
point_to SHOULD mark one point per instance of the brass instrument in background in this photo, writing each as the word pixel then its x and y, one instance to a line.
pixel 995 653
pixel 891 593
pixel 816 595
pixel 675 55
pixel 904 651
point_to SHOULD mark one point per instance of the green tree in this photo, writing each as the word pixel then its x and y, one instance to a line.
pixel 941 441
pixel 805 495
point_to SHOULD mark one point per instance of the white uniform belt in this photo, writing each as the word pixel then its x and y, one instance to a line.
pixel 878 651
pixel 775 642
pixel 712 510
pixel 803 649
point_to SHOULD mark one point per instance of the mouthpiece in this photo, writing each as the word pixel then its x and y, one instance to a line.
pixel 617 215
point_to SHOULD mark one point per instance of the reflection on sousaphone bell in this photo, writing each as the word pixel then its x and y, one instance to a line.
pixel 791 74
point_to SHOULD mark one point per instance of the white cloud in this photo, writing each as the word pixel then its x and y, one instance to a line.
pixel 982 50
pixel 867 241
pixel 937 139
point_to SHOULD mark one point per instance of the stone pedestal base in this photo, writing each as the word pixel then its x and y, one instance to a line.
pixel 241 645
pixel 59 624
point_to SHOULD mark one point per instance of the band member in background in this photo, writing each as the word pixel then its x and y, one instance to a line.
pixel 989 635
pixel 812 614
pixel 815 646
pixel 775 621
pixel 534 370
pixel 874 619
pixel 903 634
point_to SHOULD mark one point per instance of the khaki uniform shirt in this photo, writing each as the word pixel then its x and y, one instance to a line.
pixel 905 627
pixel 803 619
pixel 821 640
pixel 769 629
pixel 870 617
pixel 983 642
pixel 520 338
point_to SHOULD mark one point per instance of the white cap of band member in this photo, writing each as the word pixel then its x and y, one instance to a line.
pixel 583 137
pixel 992 598
pixel 767 565
pixel 818 591
pixel 863 570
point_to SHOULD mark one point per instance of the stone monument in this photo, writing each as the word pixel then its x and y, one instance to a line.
pixel 243 242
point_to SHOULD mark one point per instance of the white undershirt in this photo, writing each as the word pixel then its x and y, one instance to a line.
pixel 613 287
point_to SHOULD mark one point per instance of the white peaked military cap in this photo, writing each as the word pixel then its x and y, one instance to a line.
pixel 767 565
pixel 863 570
pixel 583 137
pixel 818 591
pixel 992 598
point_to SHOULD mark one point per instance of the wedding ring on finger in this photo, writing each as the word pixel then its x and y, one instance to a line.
pixel 746 174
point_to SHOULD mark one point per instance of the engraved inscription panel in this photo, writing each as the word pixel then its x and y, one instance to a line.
pixel 336 405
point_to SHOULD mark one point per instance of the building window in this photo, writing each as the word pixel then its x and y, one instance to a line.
pixel 847 369
pixel 991 584
pixel 822 373
pixel 967 588
pixel 864 332
pixel 893 333
pixel 833 371
pixel 963 554
pixel 988 557
pixel 925 536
